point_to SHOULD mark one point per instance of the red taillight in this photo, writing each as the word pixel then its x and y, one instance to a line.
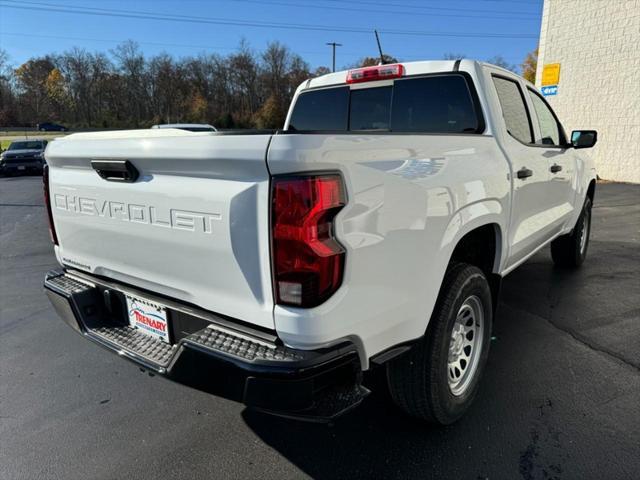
pixel 379 72
pixel 47 202
pixel 308 261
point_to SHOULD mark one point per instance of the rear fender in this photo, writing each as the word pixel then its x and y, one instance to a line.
pixel 471 217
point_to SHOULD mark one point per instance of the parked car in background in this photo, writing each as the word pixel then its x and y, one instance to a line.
pixel 23 156
pixel 191 127
pixel 51 127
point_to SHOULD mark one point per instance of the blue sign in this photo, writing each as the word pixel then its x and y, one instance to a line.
pixel 549 90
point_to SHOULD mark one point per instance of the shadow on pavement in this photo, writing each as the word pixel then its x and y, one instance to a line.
pixel 537 413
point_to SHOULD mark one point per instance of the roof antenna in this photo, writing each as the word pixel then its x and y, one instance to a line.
pixel 382 62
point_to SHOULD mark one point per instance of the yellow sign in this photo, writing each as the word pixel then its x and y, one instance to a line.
pixel 551 74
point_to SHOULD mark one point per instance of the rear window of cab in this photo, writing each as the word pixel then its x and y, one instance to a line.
pixel 443 103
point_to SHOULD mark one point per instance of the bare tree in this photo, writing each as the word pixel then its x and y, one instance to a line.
pixel 454 56
pixel 372 61
pixel 131 65
pixel 84 74
pixel 499 61
pixel 165 88
pixel 8 107
pixel 318 72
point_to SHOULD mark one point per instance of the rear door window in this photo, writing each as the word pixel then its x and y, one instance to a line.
pixel 514 111
pixel 440 103
pixel 326 109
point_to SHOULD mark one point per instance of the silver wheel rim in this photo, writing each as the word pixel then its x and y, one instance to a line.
pixel 465 346
pixel 584 234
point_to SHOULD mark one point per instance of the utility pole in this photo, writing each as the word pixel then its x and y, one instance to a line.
pixel 334 45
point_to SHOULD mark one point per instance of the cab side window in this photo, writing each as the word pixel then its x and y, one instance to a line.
pixel 514 109
pixel 549 128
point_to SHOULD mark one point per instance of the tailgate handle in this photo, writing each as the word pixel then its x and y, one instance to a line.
pixel 116 170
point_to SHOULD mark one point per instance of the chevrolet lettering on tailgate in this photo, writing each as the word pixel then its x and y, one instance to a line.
pixel 128 212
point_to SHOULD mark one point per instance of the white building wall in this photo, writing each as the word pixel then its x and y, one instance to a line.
pixel 597 43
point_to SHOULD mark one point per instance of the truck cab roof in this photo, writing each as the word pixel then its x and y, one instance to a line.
pixel 410 68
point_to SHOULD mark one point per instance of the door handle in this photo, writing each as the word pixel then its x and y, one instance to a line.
pixel 555 168
pixel 116 170
pixel 524 172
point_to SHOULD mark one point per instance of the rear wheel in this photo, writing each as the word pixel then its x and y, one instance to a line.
pixel 571 250
pixel 438 378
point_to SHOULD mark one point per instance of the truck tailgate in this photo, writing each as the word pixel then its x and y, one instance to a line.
pixel 193 226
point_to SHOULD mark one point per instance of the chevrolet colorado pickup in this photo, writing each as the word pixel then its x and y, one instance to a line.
pixel 372 231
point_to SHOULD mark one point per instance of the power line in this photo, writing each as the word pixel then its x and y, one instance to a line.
pixel 113 40
pixel 103 12
pixel 424 7
pixel 533 3
pixel 388 12
pixel 159 44
pixel 410 57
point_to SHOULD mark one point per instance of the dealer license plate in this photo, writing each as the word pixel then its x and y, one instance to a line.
pixel 21 167
pixel 148 317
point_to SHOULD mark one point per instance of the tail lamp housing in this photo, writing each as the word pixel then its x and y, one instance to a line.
pixel 307 259
pixel 47 202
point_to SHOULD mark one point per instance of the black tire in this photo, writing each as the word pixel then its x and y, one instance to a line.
pixel 419 380
pixel 570 251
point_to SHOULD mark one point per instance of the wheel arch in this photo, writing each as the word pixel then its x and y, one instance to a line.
pixel 482 243
pixel 486 219
pixel 481 246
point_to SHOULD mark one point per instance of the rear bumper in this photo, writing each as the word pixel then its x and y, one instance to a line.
pixel 212 354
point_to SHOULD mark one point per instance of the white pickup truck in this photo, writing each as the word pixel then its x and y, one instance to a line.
pixel 372 231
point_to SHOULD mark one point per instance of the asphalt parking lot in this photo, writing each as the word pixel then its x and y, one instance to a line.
pixel 560 399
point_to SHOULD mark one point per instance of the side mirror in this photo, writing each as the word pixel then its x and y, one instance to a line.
pixel 584 138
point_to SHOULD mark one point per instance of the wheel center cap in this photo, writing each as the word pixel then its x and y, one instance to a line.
pixel 457 341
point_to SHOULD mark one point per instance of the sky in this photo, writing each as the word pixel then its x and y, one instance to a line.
pixel 409 29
